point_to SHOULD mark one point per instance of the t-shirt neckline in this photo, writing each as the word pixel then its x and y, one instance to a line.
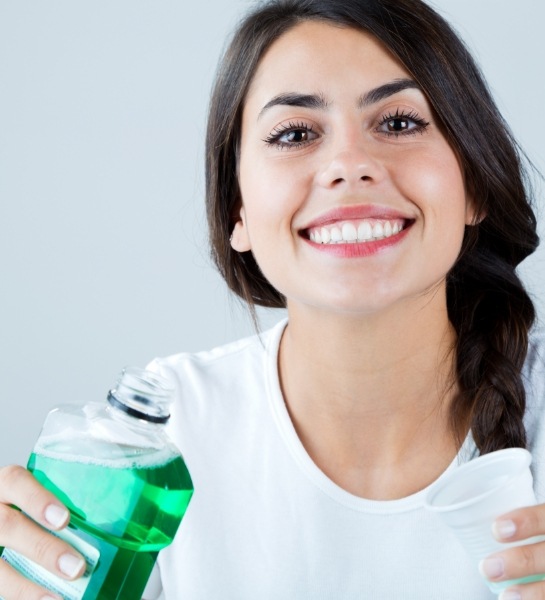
pixel 294 445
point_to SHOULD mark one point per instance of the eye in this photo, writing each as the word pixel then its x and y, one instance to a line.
pixel 291 135
pixel 402 123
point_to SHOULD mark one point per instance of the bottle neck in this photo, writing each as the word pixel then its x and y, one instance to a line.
pixel 142 395
pixel 136 409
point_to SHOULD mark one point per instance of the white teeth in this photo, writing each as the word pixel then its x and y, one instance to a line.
pixel 365 231
pixel 326 237
pixel 349 233
pixel 378 230
pixel 336 235
pixel 387 229
pixel 356 231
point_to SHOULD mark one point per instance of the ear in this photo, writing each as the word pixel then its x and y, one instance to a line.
pixel 240 242
pixel 474 214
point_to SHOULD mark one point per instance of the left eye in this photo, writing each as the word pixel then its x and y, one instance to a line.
pixel 398 124
pixel 402 124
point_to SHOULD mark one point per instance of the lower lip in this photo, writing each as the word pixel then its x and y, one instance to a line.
pixel 360 249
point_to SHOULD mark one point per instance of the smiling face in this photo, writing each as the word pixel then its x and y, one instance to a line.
pixel 352 199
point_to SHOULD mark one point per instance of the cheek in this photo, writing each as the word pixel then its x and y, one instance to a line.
pixel 436 185
pixel 271 193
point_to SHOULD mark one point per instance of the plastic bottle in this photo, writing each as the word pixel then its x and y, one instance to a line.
pixel 124 482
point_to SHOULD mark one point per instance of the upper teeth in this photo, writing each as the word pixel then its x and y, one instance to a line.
pixel 355 231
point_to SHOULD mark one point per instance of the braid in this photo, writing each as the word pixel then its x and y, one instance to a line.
pixel 492 314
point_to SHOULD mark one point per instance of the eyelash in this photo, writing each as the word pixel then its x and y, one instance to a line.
pixel 421 124
pixel 273 139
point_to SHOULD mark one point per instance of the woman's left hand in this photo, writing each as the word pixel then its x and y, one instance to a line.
pixel 521 561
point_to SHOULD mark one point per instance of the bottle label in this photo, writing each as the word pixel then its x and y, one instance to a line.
pixel 69 590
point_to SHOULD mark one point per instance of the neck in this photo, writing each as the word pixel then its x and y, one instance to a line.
pixel 371 394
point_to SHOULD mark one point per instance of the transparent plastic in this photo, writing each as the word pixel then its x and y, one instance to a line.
pixel 472 496
pixel 124 482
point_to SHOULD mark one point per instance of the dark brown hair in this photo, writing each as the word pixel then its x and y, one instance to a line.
pixel 487 303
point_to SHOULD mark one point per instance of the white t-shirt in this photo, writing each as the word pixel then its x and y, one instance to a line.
pixel 265 523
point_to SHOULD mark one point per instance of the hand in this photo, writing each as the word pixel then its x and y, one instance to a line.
pixel 18 532
pixel 520 561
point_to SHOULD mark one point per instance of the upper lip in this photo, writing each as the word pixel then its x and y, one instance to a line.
pixel 353 213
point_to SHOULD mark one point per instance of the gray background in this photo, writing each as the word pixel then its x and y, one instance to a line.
pixel 103 257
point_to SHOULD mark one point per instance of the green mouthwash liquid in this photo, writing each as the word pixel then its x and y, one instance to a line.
pixel 123 509
pixel 124 482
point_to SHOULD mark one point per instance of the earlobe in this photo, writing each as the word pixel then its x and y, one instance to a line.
pixel 474 215
pixel 240 242
pixel 473 218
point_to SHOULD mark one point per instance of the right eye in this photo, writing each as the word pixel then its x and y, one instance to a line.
pixel 291 135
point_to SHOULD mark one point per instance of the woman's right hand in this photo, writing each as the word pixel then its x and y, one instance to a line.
pixel 18 487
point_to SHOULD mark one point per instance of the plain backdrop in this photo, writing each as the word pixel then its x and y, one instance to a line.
pixel 103 255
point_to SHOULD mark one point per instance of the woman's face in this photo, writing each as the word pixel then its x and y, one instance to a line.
pixel 352 199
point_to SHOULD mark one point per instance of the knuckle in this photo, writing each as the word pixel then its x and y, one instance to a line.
pixel 8 517
pixel 527 558
pixel 11 474
pixel 35 495
pixel 19 487
pixel 44 548
pixel 532 521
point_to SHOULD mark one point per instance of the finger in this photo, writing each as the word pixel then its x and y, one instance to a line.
pixel 528 591
pixel 20 488
pixel 515 563
pixel 14 586
pixel 520 524
pixel 19 533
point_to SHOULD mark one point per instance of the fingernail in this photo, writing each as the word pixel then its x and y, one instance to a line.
pixel 510 595
pixel 491 568
pixel 56 515
pixel 503 530
pixel 71 565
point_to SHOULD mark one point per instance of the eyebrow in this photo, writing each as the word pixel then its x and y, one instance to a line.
pixel 388 89
pixel 294 99
pixel 318 101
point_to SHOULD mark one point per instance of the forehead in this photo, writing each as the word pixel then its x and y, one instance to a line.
pixel 317 54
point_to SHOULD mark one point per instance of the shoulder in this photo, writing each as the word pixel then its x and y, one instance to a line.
pixel 222 363
pixel 220 396
pixel 222 388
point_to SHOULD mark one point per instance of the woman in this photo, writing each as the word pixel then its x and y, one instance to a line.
pixel 359 174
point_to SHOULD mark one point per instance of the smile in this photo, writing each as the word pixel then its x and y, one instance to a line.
pixel 357 231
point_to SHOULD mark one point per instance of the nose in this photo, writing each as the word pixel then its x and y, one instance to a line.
pixel 353 165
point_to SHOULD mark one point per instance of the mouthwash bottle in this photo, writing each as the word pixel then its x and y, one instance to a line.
pixel 124 482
